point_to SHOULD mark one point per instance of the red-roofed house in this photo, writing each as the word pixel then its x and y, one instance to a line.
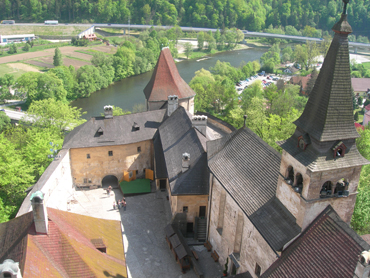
pixel 166 81
pixel 90 37
pixel 357 125
pixel 367 108
pixel 301 81
pixel 55 243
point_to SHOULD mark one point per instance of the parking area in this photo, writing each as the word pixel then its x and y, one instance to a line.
pixel 146 250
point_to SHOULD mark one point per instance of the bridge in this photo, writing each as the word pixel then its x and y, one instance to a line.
pixel 91 28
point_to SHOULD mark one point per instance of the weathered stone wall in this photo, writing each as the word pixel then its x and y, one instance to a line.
pixel 242 237
pixel 193 202
pixel 100 164
pixel 307 207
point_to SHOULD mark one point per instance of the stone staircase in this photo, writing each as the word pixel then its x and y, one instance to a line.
pixel 202 229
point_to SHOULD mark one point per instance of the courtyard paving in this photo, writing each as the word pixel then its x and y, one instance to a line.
pixel 146 250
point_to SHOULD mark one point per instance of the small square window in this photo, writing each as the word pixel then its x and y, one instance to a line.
pixel 257 270
pixel 139 149
pixel 85 180
pixel 110 153
pixel 88 156
pixel 89 180
pixel 184 209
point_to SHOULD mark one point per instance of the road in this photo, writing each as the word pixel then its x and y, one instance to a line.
pixel 198 29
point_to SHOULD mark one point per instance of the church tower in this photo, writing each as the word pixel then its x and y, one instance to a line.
pixel 165 82
pixel 320 164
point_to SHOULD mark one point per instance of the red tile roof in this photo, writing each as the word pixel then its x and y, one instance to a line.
pixel 67 250
pixel 367 107
pixel 300 80
pixel 166 80
pixel 360 84
pixel 357 125
pixel 327 248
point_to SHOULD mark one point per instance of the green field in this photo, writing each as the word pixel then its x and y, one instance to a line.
pixel 366 65
pixel 5 68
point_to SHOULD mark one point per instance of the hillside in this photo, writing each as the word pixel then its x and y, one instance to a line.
pixel 254 15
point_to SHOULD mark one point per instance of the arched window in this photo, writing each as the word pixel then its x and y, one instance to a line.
pixel 299 183
pixel 341 188
pixel 290 175
pixel 326 190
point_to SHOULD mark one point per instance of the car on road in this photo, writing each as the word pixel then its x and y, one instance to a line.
pixel 275 78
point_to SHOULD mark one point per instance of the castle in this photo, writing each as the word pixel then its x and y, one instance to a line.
pixel 269 215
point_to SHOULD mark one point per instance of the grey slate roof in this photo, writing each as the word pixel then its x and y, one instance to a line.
pixel 328 248
pixel 160 163
pixel 248 169
pixel 116 131
pixel 177 136
pixel 328 114
pixel 317 161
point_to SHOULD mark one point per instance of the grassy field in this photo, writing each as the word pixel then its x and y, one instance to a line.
pixel 16 72
pixel 59 30
pixel 366 65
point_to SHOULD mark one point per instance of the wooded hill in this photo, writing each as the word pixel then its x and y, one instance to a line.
pixel 253 15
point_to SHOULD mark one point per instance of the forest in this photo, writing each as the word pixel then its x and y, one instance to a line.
pixel 253 15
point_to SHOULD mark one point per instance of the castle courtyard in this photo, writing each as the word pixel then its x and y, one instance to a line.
pixel 146 250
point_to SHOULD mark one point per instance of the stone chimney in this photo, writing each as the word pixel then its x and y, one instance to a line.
pixel 185 162
pixel 200 123
pixel 10 269
pixel 40 215
pixel 363 266
pixel 108 112
pixel 173 103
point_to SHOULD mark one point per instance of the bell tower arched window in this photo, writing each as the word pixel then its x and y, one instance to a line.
pixel 299 183
pixel 341 188
pixel 326 190
pixel 290 175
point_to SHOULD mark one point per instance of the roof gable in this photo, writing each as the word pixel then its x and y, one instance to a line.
pixel 248 169
pixel 327 248
pixel 176 141
pixel 166 80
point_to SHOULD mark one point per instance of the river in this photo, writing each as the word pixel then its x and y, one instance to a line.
pixel 128 92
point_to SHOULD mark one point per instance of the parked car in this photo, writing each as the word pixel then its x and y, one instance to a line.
pixel 275 78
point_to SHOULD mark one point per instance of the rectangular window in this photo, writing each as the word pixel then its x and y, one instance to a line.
pixel 110 153
pixel 89 180
pixel 137 172
pixel 184 209
pixel 88 156
pixel 139 149
pixel 85 180
pixel 257 271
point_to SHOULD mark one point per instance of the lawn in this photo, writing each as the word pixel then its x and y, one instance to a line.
pixel 5 68
pixel 136 186
pixel 366 65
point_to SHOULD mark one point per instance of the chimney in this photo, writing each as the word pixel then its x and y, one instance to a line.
pixel 185 162
pixel 10 269
pixel 40 215
pixel 173 103
pixel 108 111
pixel 200 123
pixel 363 266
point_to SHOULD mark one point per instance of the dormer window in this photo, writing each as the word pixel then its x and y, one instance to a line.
pixel 100 131
pixel 339 150
pixel 135 127
pixel 303 141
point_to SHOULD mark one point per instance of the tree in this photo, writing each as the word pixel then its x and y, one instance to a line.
pixel 5 83
pixel 188 49
pixel 356 116
pixel 12 49
pixel 200 38
pixel 26 47
pixel 4 120
pixel 53 114
pixel 57 60
pixel 360 100
pixel 38 86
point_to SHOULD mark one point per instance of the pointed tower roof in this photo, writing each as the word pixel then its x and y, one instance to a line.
pixel 328 114
pixel 166 80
